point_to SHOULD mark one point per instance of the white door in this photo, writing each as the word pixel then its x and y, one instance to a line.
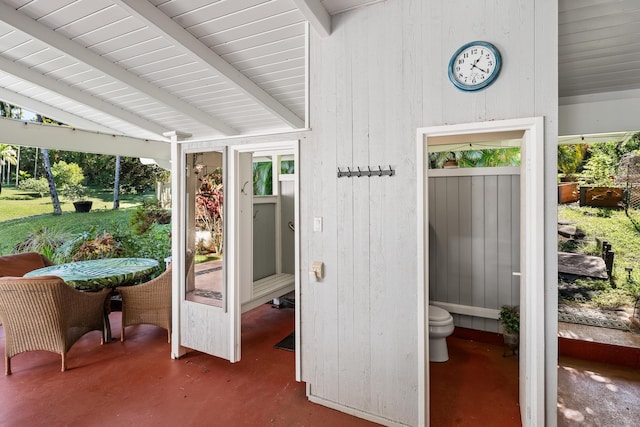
pixel 205 309
pixel 532 338
pixel 207 298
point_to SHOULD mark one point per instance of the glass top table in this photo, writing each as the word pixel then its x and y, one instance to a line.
pixel 96 274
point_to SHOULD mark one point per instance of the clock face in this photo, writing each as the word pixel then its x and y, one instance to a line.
pixel 474 66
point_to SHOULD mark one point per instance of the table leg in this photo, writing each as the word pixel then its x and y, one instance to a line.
pixel 107 323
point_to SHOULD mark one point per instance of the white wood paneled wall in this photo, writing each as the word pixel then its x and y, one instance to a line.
pixel 474 231
pixel 381 75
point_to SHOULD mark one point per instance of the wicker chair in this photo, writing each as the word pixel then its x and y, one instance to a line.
pixel 44 313
pixel 150 302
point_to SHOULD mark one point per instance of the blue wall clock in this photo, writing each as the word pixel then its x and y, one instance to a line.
pixel 475 66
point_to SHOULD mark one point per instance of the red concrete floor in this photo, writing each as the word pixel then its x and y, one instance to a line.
pixel 136 383
pixel 477 386
pixel 597 394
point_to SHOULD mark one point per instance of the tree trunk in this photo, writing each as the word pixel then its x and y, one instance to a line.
pixel 116 185
pixel 57 210
pixel 35 165
pixel 18 167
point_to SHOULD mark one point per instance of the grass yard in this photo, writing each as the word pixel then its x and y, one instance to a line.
pixel 23 213
pixel 17 230
pixel 615 227
pixel 16 203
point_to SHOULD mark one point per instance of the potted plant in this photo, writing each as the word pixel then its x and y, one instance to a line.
pixel 510 321
pixel 450 161
pixel 77 193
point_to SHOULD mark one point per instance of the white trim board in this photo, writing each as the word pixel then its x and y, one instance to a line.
pixel 349 410
pixel 506 170
pixel 533 352
pixel 468 310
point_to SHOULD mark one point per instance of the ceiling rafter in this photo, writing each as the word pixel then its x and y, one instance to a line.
pixel 24 73
pixel 316 14
pixel 32 134
pixel 57 41
pixel 52 112
pixel 155 18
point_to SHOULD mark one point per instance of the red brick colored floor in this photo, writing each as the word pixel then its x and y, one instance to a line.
pixel 136 383
pixel 477 386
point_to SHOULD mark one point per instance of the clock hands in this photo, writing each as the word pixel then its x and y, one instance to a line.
pixel 475 66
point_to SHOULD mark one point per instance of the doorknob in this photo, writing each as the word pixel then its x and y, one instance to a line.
pixel 516 273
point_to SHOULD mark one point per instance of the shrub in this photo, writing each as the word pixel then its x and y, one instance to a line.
pixel 510 318
pixel 45 241
pixel 67 173
pixel 36 185
pixel 104 246
pixel 74 192
pixel 147 214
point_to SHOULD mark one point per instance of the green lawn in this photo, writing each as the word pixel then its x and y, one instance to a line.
pixel 15 203
pixel 23 213
pixel 614 226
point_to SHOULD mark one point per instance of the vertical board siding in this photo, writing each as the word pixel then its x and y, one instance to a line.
pixel 475 222
pixel 465 250
pixel 378 77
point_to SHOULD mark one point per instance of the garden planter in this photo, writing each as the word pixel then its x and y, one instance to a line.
pixel 83 206
pixel 568 192
pixel 603 197
pixel 511 343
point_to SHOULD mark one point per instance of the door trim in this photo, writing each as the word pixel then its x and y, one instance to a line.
pixel 532 370
pixel 291 146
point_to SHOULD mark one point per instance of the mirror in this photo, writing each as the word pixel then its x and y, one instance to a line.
pixel 205 227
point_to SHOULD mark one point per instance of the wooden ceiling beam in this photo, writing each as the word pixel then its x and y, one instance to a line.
pixel 58 42
pixel 155 18
pixel 316 15
pixel 28 74
pixel 32 134
pixel 52 112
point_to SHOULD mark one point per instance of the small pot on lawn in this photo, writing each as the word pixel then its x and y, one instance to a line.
pixel 83 205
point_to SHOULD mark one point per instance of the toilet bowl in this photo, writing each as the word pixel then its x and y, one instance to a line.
pixel 440 327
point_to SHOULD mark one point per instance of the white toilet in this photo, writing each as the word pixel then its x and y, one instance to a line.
pixel 440 327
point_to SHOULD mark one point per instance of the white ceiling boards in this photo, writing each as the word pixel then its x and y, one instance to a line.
pixel 235 67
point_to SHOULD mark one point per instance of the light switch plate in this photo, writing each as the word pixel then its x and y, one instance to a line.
pixel 317 224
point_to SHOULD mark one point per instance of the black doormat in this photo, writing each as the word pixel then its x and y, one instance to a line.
pixel 288 343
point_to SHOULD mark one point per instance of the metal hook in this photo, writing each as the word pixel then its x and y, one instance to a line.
pixel 349 172
pixel 359 172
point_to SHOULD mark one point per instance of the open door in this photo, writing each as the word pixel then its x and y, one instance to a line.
pixel 532 337
pixel 203 300
pixel 213 208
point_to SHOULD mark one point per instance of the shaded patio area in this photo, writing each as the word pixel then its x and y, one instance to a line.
pixel 137 383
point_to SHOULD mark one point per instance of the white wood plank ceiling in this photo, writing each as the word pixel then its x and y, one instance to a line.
pixel 598 46
pixel 213 68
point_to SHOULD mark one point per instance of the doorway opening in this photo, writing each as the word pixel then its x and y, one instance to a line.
pixel 531 255
pixel 598 237
pixel 252 239
pixel 266 215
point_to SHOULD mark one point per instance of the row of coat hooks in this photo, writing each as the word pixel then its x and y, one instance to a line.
pixel 366 172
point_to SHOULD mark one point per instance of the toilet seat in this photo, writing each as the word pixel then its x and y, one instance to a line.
pixel 438 316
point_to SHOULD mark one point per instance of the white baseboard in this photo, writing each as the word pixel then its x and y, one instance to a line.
pixel 351 411
pixel 487 313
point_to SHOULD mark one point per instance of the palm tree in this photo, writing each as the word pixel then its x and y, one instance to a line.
pixel 57 210
pixel 7 157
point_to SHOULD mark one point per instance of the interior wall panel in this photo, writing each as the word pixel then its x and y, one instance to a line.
pixel 474 230
pixel 380 75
